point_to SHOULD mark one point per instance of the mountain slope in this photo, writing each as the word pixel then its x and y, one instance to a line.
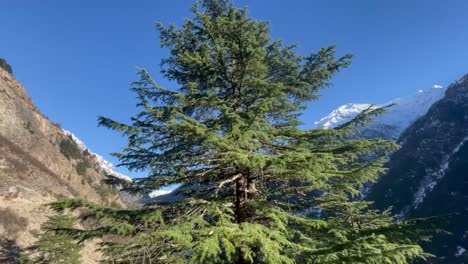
pixel 429 175
pixel 39 163
pixel 104 165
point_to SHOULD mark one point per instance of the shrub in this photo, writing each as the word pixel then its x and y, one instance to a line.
pixel 104 191
pixel 28 126
pixel 70 149
pixel 81 167
pixel 4 65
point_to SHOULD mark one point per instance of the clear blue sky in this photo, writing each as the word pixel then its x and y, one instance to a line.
pixel 78 58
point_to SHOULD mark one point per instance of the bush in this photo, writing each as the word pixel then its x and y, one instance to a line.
pixel 81 167
pixel 4 65
pixel 70 149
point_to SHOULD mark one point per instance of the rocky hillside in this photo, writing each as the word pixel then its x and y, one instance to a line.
pixel 429 175
pixel 39 163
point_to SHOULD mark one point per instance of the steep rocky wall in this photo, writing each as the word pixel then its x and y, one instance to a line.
pixel 34 169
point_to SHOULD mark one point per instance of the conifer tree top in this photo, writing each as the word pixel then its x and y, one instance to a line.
pixel 238 103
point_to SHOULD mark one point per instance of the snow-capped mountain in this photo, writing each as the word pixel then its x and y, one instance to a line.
pixel 341 115
pixel 394 121
pixel 105 165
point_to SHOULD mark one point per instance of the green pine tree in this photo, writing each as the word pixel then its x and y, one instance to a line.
pixel 231 133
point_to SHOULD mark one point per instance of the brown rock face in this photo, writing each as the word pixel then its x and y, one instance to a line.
pixel 35 168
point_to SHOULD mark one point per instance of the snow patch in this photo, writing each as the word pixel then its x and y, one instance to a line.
pixel 105 165
pixel 341 115
pixel 159 193
pixel 431 180
pixel 460 251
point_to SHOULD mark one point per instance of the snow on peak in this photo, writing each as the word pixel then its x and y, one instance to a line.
pixel 396 119
pixel 157 193
pixel 105 165
pixel 341 115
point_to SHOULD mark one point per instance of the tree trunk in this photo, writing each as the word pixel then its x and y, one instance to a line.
pixel 251 188
pixel 241 197
pixel 245 190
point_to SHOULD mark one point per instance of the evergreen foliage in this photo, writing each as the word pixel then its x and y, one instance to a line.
pixel 55 245
pixel 232 133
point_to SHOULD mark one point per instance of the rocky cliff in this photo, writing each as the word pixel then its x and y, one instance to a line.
pixel 39 163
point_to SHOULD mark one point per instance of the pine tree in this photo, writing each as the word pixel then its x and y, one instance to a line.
pixel 259 187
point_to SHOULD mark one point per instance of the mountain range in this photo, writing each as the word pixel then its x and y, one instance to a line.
pixel 428 175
